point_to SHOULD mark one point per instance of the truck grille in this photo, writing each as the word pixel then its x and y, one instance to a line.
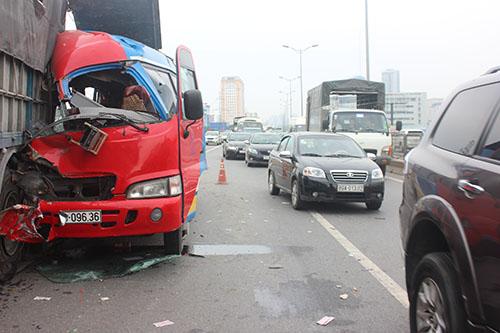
pixel 80 189
pixel 349 176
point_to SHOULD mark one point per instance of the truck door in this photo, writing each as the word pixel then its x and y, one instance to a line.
pixel 190 132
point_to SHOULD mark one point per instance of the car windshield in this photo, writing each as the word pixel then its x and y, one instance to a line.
pixel 234 136
pixel 265 138
pixel 212 133
pixel 360 122
pixel 329 146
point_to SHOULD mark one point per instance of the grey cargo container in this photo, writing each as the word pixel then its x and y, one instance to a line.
pixel 29 31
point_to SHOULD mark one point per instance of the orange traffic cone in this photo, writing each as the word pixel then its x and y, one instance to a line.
pixel 222 174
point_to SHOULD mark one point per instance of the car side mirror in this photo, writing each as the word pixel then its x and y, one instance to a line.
pixel 371 156
pixel 285 154
pixel 399 125
pixel 193 104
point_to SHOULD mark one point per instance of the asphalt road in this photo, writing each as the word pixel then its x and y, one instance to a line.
pixel 265 268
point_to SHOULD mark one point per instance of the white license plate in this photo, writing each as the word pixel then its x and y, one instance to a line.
pixel 266 158
pixel 80 216
pixel 350 188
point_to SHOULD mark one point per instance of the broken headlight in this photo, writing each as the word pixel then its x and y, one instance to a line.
pixel 157 188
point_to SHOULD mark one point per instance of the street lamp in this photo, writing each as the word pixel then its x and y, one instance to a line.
pixel 289 80
pixel 300 51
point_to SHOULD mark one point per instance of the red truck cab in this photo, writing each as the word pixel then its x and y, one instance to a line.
pixel 123 156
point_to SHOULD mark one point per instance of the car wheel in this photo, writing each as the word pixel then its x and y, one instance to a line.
pixel 297 203
pixel 271 181
pixel 10 251
pixel 436 305
pixel 373 204
pixel 172 242
pixel 228 156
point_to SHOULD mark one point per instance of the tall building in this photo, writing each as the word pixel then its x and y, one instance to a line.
pixel 391 79
pixel 232 102
pixel 409 107
pixel 433 106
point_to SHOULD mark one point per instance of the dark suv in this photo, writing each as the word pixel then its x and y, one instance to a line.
pixel 450 215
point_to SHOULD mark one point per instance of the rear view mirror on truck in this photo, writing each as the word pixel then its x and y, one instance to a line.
pixel 193 104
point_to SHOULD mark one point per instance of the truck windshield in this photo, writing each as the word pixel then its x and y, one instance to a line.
pixel 238 136
pixel 359 122
pixel 266 138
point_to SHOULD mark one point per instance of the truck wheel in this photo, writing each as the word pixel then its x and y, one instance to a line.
pixel 435 304
pixel 172 242
pixel 297 202
pixel 10 251
pixel 273 189
pixel 373 204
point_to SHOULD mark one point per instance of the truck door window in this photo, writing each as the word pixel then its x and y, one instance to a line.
pixel 164 86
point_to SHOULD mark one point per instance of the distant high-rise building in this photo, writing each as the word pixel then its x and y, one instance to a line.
pixel 232 102
pixel 409 107
pixel 391 79
pixel 433 106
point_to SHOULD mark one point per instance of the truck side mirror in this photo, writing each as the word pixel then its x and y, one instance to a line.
pixel 399 125
pixel 193 104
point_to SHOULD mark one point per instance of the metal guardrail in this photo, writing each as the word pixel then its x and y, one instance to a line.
pixel 402 143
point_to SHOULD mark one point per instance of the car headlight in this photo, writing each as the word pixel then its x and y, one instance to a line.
pixel 314 172
pixel 377 174
pixel 157 188
pixel 232 147
pixel 253 151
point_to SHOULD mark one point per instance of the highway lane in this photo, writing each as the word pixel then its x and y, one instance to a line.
pixel 265 268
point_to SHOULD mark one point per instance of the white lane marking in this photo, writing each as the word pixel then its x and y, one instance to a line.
pixel 213 148
pixel 394 179
pixel 385 280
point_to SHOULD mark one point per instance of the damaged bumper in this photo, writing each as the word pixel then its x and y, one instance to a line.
pixel 120 217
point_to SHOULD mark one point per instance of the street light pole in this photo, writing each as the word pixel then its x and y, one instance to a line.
pixel 290 80
pixel 367 46
pixel 300 51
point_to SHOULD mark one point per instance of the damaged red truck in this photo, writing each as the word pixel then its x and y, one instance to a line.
pixel 122 155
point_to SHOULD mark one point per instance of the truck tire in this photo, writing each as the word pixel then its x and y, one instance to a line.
pixel 10 252
pixel 172 242
pixel 436 296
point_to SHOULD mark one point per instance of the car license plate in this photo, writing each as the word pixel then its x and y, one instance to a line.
pixel 266 158
pixel 80 216
pixel 350 188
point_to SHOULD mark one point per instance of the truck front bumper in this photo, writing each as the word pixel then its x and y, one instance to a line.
pixel 120 217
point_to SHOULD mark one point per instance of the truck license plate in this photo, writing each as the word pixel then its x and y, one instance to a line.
pixel 350 188
pixel 80 216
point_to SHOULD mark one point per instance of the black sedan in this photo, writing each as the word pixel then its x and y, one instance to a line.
pixel 234 146
pixel 324 167
pixel 259 147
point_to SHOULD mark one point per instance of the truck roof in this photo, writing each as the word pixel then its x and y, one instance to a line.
pixel 78 49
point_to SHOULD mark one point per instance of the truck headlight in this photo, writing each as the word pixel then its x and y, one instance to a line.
pixel 377 174
pixel 314 172
pixel 157 188
pixel 253 151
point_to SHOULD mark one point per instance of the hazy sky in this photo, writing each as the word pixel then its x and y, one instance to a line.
pixel 434 44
